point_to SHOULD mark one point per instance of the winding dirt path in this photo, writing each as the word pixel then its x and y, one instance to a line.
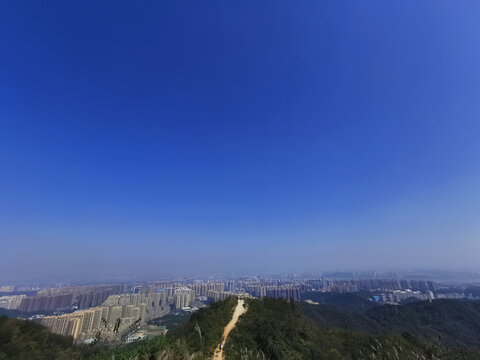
pixel 239 310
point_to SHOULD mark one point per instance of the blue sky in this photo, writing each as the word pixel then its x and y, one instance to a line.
pixel 179 137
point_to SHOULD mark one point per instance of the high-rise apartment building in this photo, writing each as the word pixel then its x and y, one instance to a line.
pixel 129 308
pixel 11 302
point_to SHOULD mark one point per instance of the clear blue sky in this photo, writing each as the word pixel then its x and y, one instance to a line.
pixel 167 137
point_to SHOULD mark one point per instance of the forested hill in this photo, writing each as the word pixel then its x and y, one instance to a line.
pixel 276 329
pixel 21 339
pixel 456 322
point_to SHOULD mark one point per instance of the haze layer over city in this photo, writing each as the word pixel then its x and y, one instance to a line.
pixel 219 138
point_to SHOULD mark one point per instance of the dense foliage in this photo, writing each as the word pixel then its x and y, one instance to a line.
pixel 203 332
pixel 456 322
pixel 277 329
pixel 23 314
pixel 26 340
pixel 333 317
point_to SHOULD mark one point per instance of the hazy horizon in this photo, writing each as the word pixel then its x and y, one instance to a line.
pixel 178 138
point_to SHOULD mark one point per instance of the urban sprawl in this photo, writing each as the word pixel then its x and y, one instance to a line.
pixel 123 312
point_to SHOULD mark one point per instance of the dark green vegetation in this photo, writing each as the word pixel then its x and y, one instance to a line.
pixel 203 332
pixel 26 340
pixel 456 322
pixel 277 329
pixel 23 314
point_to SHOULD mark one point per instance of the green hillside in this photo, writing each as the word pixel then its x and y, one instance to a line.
pixel 276 329
pixel 456 322
pixel 203 332
pixel 26 340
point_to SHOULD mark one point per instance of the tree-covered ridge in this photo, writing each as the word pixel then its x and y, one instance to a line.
pixel 26 340
pixel 456 322
pixel 278 330
pixel 203 332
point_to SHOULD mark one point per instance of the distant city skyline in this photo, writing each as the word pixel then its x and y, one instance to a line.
pixel 113 311
pixel 159 139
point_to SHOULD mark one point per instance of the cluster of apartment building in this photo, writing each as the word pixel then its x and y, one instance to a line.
pixel 116 315
pixel 455 295
pixel 63 298
pixel 214 295
pixel 398 296
pixel 47 303
pixel 277 292
pixel 7 288
pixel 201 289
pixel 11 302
pixel 87 324
pixel 119 313
pixel 276 288
pixel 184 297
pixel 342 286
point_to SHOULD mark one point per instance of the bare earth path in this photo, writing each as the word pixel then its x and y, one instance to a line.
pixel 239 310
